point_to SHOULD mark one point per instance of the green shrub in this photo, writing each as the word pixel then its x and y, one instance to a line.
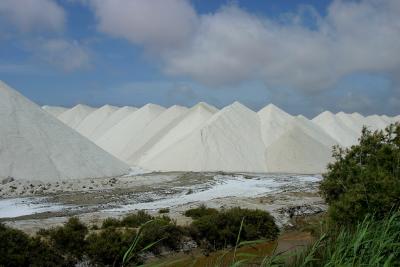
pixel 18 249
pixel 135 220
pixel 107 247
pixel 364 179
pixel 161 211
pixel 110 222
pixel 70 238
pixel 221 229
pixel 201 211
pixel 163 231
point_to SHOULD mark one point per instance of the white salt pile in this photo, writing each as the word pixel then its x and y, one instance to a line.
pixel 194 117
pixel 336 128
pixel 36 146
pixel 152 133
pixel 96 118
pixel 204 138
pixel 74 116
pixel 229 141
pixel 111 121
pixel 234 138
pixel 55 111
pixel 116 139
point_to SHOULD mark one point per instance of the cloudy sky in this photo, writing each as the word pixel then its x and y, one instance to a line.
pixel 302 55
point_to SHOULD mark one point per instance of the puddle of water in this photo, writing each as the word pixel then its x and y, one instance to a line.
pixel 15 207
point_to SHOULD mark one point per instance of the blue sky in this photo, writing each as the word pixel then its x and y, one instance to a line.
pixel 304 56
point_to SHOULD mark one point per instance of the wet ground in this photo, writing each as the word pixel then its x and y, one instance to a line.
pixel 30 206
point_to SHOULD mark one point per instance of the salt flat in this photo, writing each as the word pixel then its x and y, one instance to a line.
pixel 95 199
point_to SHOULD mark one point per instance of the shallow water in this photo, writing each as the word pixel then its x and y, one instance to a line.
pixel 16 207
pixel 220 186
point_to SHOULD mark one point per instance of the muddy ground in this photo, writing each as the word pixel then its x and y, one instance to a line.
pixel 92 200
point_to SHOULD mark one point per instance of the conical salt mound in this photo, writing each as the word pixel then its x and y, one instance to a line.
pixel 297 152
pixel 273 121
pixel 117 139
pixel 111 121
pixel 228 141
pixel 55 111
pixel 152 133
pixel 74 116
pixel 336 128
pixel 193 119
pixel 36 146
pixel 352 121
pixel 375 122
pixel 89 124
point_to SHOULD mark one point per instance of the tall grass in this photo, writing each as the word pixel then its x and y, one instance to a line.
pixel 371 243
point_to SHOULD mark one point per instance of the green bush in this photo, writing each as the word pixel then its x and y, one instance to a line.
pixel 165 210
pixel 163 231
pixel 201 211
pixel 18 249
pixel 70 238
pixel 110 222
pixel 135 220
pixel 221 229
pixel 107 247
pixel 364 179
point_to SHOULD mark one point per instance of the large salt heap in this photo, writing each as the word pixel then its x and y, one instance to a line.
pixel 337 129
pixel 36 146
pixel 273 123
pixel 193 119
pixel 55 111
pixel 229 141
pixel 111 121
pixel 297 152
pixel 151 133
pixel 74 116
pixel 289 140
pixel 235 138
pixel 116 139
pixel 87 127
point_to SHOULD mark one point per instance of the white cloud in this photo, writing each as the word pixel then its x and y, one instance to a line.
pixel 232 45
pixel 32 15
pixel 157 24
pixel 65 54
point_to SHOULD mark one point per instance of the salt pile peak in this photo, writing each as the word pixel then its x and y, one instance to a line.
pixel 336 128
pixel 235 138
pixel 111 121
pixel 36 146
pixel 74 116
pixel 54 110
pixel 91 122
pixel 376 122
pixel 116 139
pixel 353 122
pixel 152 132
pixel 273 121
pixel 297 152
pixel 231 131
pixel 193 119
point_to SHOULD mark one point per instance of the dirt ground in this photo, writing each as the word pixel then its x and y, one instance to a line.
pixel 93 200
